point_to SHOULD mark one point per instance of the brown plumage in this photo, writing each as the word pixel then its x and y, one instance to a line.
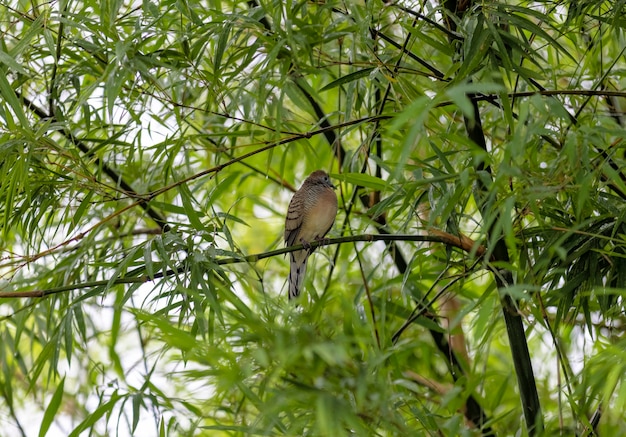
pixel 311 214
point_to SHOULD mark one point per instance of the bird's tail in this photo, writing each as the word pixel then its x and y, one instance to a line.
pixel 296 272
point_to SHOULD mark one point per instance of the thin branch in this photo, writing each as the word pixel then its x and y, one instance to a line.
pixel 438 74
pixel 423 307
pixel 542 92
pixel 369 296
pixel 8 398
pixel 444 239
pixel 268 146
pixel 450 34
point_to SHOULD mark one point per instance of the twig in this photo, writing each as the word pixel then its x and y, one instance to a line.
pixel 444 239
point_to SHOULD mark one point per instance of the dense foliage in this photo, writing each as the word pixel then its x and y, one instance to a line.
pixel 475 277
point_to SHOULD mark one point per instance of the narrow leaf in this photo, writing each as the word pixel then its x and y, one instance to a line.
pixel 51 410
pixel 364 180
pixel 347 78
pixel 10 97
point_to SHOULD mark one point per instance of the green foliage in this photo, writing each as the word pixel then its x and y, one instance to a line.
pixel 148 149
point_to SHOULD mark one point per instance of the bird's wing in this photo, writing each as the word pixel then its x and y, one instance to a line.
pixel 295 216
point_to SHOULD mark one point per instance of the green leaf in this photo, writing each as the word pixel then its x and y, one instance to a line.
pixel 356 75
pixel 175 337
pixel 128 261
pixel 147 258
pixel 363 180
pixel 137 403
pixel 9 96
pixel 222 43
pixel 522 22
pixel 10 62
pixel 83 207
pixel 94 417
pixel 52 408
pixel 188 204
pixel 223 185
pixel 34 29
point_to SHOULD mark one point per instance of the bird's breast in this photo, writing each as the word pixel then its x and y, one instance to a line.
pixel 319 216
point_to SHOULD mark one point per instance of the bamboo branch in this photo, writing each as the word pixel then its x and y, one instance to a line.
pixel 439 237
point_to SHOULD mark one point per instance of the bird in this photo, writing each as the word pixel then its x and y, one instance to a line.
pixel 310 216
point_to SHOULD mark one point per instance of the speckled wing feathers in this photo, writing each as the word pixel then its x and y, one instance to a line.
pixel 293 223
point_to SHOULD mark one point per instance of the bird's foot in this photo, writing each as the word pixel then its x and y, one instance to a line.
pixel 324 241
pixel 305 244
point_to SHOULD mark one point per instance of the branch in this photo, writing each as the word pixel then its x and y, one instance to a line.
pixel 504 277
pixel 462 243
